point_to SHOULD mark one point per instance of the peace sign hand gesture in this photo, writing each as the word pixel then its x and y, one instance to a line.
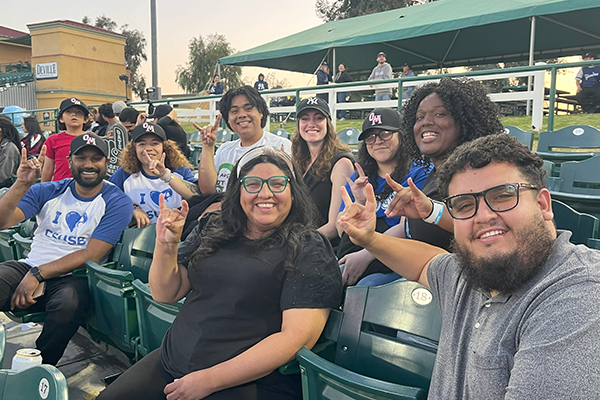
pixel 359 185
pixel 30 170
pixel 359 221
pixel 157 167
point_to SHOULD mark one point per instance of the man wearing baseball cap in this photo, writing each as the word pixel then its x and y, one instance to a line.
pixel 78 219
pixel 166 117
pixel 323 78
pixel 588 86
pixel 382 70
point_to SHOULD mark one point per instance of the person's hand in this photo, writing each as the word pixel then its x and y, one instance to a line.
pixel 157 167
pixel 142 117
pixel 209 132
pixel 109 133
pixel 359 221
pixel 141 218
pixel 355 264
pixel 23 295
pixel 579 89
pixel 358 186
pixel 409 201
pixel 193 386
pixel 31 170
pixel 169 225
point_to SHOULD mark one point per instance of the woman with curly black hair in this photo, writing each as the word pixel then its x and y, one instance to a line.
pixel 439 117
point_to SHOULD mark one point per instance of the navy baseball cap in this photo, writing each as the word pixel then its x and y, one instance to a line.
pixel 161 111
pixel 381 118
pixel 88 139
pixel 313 103
pixel 148 127
pixel 68 103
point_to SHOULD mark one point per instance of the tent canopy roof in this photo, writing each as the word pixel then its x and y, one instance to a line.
pixel 444 33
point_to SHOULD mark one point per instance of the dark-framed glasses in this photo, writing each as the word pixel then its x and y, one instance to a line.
pixel 383 135
pixel 498 198
pixel 254 184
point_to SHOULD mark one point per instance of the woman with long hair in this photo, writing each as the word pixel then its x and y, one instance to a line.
pixel 34 140
pixel 10 151
pixel 380 154
pixel 151 165
pixel 259 283
pixel 322 159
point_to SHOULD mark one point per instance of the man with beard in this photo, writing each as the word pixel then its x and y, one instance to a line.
pixel 78 219
pixel 519 302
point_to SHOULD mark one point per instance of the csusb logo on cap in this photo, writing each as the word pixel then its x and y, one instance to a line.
pixel 375 119
pixel 148 127
pixel 75 101
pixel 89 140
pixel 312 100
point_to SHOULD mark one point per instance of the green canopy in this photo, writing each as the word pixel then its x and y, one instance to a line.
pixel 444 33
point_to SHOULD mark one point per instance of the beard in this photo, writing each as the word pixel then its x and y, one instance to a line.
pixel 506 273
pixel 85 182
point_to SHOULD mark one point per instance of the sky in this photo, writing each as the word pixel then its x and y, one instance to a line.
pixel 245 24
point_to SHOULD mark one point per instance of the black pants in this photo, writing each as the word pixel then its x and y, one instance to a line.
pixel 589 98
pixel 66 300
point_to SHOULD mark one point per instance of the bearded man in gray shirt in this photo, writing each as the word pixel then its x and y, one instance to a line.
pixel 520 314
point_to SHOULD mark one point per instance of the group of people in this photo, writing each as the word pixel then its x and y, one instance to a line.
pixel 262 244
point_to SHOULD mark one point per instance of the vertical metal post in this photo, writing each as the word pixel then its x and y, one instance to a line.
pixel 531 49
pixel 552 98
pixel 154 43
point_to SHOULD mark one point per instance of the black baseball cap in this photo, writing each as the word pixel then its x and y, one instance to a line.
pixel 590 55
pixel 381 53
pixel 161 111
pixel 380 118
pixel 313 103
pixel 148 127
pixel 72 102
pixel 88 139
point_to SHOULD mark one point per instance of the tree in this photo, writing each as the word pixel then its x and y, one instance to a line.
pixel 135 50
pixel 198 72
pixel 342 9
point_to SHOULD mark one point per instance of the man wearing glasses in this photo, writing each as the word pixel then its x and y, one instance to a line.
pixel 519 303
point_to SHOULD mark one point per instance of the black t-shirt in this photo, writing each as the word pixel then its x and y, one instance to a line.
pixel 320 191
pixel 237 299
pixel 429 233
pixel 175 132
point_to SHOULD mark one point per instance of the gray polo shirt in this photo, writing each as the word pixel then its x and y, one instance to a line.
pixel 541 342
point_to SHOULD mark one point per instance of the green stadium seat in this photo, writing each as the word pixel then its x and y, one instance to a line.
pixel 224 135
pixel 349 136
pixel 387 344
pixel 7 245
pixel 583 226
pixel 579 185
pixel 42 382
pixel 154 318
pixel 525 137
pixel 583 141
pixel 281 132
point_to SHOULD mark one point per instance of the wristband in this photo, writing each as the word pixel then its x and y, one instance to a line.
pixel 167 176
pixel 436 213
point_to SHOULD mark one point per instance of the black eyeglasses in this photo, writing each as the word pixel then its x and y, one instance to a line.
pixel 383 135
pixel 498 198
pixel 254 184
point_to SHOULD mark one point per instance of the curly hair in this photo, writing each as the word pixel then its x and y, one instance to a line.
pixel 501 148
pixel 369 165
pixel 174 157
pixel 254 98
pixel 231 223
pixel 332 146
pixel 466 102
pixel 9 132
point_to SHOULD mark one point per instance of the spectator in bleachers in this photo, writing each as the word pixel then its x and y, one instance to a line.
pixel 93 118
pixel 114 128
pixel 165 116
pixel 341 77
pixel 382 70
pixel 72 116
pixel 129 119
pixel 216 87
pixel 10 150
pixel 323 78
pixel 519 303
pixel 78 219
pixel 34 138
pixel 151 165
pixel 381 153
pixel 588 86
pixel 322 159
pixel 261 84
pixel 259 283
pixel 118 106
pixel 246 114
pixel 406 72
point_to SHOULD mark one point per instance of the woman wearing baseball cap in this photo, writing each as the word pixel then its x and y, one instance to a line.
pixel 322 159
pixel 151 165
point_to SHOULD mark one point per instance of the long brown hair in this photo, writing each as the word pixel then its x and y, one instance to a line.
pixel 332 146
pixel 174 158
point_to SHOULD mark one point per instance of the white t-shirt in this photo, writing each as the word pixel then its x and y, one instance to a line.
pixel 230 152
